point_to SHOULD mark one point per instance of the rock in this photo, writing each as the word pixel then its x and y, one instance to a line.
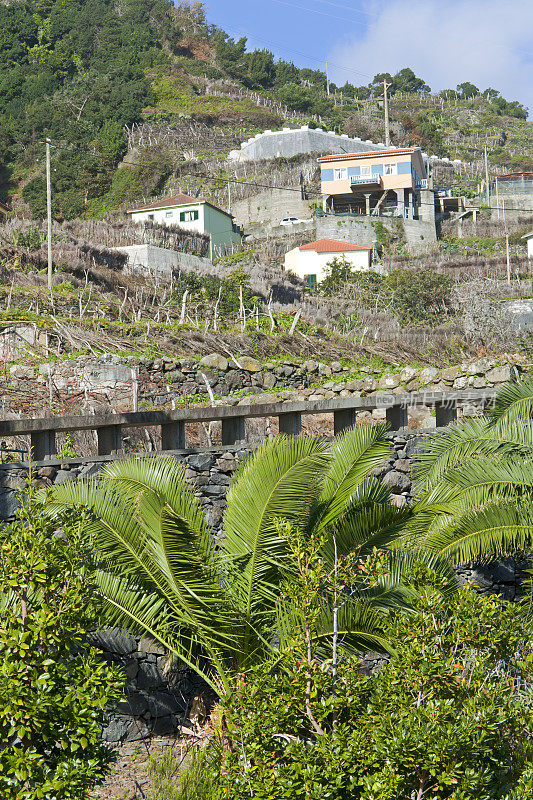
pixel 47 472
pixel 397 482
pixel 324 369
pixel 336 366
pixel 480 367
pixel 115 640
pixel 215 361
pixel 263 399
pixel 398 500
pixel 368 385
pixel 249 364
pixel 175 376
pixel 450 374
pixel 8 504
pixel 149 645
pixel 162 704
pixel 116 729
pixel 407 374
pixel 500 374
pixel 227 462
pixel 310 366
pixel 427 375
pixel 461 382
pixel 389 382
pixel 90 471
pixel 479 383
pixel 134 705
pixel 402 465
pixel 269 381
pixel 201 461
pixel 354 386
pixel 64 476
pixel 137 730
pixel 149 676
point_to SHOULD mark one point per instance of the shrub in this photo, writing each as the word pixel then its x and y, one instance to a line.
pixel 420 295
pixel 447 717
pixel 54 688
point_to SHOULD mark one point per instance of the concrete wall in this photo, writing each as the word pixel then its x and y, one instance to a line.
pixel 357 230
pixel 147 259
pixel 271 206
pixel 290 142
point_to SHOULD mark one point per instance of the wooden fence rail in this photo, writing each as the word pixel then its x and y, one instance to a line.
pixel 108 427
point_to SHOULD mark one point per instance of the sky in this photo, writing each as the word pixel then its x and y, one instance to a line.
pixel 486 42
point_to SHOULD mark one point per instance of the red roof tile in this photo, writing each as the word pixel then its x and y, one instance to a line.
pixel 332 246
pixel 395 151
pixel 166 202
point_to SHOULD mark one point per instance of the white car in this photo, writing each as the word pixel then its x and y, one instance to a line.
pixel 292 221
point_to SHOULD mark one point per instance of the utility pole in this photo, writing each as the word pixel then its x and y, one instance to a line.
pixel 487 177
pixel 229 196
pixel 386 109
pixel 507 258
pixel 327 78
pixel 49 212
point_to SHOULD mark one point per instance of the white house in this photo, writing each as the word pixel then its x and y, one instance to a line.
pixel 193 215
pixel 309 261
pixel 529 239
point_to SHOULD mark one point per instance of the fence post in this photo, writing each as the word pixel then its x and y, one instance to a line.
pixel 173 436
pixel 445 413
pixel 290 423
pixel 109 440
pixel 343 419
pixel 233 430
pixel 43 445
pixel 397 417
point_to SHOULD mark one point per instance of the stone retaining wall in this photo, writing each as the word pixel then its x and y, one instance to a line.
pixel 162 382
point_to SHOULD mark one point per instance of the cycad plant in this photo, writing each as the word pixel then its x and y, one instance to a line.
pixel 474 482
pixel 213 604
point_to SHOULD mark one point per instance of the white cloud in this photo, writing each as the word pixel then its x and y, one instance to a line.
pixel 487 42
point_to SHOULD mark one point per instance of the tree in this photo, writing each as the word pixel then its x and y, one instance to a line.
pixel 261 70
pixel 161 573
pixel 406 81
pixel 54 688
pixel 447 716
pixel 376 85
pixel 474 482
pixel 467 90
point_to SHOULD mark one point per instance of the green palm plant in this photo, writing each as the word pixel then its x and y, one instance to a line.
pixel 474 482
pixel 213 605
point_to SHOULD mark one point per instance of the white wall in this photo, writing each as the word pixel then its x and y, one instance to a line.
pixel 309 262
pixel 159 215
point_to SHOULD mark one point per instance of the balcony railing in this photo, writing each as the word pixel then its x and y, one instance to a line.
pixel 356 179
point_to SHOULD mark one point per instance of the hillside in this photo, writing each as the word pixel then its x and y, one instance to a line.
pixel 128 93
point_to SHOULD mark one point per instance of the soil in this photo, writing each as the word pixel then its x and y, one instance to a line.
pixel 129 778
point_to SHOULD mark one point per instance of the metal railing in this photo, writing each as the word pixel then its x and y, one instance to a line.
pixel 173 424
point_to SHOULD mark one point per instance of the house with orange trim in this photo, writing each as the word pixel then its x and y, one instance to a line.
pixel 309 261
pixel 372 183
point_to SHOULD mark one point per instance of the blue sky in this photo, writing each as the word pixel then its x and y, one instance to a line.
pixel 488 42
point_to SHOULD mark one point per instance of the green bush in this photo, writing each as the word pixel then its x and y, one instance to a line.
pixel 448 717
pixel 420 295
pixel 54 688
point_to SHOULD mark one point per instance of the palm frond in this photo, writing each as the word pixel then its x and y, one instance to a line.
pixel 354 455
pixel 278 481
pixel 514 402
pixel 463 440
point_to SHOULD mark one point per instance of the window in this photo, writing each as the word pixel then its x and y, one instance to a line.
pixel 390 169
pixel 310 281
pixel 188 216
pixel 169 214
pixel 366 171
pixel 340 174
